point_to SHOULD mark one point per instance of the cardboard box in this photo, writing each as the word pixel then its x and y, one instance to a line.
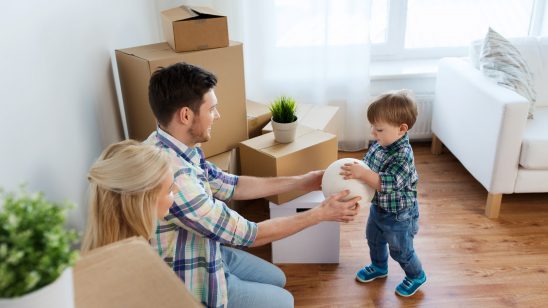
pixel 128 273
pixel 136 65
pixel 264 157
pixel 258 115
pixel 316 244
pixel 228 161
pixel 325 118
pixel 188 28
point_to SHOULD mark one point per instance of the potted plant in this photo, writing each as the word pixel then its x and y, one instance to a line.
pixel 284 118
pixel 36 252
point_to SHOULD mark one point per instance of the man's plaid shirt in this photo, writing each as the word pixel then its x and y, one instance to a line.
pixel 189 237
pixel 396 168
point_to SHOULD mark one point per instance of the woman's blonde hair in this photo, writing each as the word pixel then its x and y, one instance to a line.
pixel 124 185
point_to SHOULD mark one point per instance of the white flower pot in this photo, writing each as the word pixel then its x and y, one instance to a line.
pixel 284 132
pixel 58 294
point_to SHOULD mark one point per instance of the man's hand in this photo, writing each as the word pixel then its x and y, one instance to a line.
pixel 353 171
pixel 334 209
pixel 311 180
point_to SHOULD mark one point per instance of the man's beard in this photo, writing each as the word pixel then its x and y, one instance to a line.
pixel 198 134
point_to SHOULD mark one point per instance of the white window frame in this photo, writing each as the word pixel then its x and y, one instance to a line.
pixel 394 49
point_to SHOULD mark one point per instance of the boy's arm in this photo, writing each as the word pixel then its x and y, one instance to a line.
pixel 368 176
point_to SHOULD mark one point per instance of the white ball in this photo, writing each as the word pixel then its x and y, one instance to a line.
pixel 333 182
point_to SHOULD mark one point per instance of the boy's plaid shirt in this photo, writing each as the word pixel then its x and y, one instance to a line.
pixel 189 237
pixel 396 168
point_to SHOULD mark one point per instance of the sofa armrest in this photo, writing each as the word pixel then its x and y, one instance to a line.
pixel 480 122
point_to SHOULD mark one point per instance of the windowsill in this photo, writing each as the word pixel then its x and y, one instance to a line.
pixel 403 69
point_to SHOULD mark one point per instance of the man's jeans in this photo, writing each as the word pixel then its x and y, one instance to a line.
pixel 398 231
pixel 253 282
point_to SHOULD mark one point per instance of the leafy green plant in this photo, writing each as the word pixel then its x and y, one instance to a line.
pixel 35 247
pixel 284 109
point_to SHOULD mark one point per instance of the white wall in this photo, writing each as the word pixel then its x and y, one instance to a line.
pixel 59 106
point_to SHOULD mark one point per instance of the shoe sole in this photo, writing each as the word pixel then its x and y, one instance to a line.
pixel 361 280
pixel 411 293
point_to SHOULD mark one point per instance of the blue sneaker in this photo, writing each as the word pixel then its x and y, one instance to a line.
pixel 409 286
pixel 370 272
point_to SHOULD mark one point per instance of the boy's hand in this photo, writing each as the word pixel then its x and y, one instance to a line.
pixel 353 171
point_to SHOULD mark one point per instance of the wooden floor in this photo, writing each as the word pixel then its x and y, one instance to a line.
pixel 470 260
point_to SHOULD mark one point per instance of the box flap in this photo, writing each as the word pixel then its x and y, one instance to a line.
pixel 305 137
pixel 256 110
pixel 179 13
pixel 204 10
pixel 267 140
pixel 320 117
pixel 185 12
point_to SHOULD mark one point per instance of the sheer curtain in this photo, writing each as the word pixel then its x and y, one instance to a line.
pixel 316 51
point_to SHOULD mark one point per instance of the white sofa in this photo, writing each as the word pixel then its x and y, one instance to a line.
pixel 486 127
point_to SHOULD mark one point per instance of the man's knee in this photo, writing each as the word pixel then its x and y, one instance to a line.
pixel 278 277
pixel 285 299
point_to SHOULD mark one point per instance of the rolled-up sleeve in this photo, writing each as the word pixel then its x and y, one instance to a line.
pixel 222 184
pixel 195 210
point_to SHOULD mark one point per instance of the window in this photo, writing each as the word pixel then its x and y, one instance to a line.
pixel 402 29
pixel 345 23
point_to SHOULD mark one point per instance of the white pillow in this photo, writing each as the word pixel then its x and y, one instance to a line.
pixel 502 62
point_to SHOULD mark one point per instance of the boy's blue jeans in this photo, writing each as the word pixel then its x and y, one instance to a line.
pixel 397 231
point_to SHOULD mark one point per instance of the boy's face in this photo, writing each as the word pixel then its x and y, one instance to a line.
pixel 386 133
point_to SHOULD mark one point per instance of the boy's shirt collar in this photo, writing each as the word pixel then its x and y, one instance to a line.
pixel 398 143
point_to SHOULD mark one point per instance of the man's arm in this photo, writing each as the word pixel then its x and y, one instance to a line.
pixel 255 187
pixel 332 209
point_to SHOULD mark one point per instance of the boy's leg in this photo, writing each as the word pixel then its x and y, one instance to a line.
pixel 253 282
pixel 375 240
pixel 400 234
pixel 377 251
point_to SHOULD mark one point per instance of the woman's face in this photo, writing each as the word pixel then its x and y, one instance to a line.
pixel 165 197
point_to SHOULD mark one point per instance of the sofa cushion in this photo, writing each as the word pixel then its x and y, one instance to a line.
pixel 501 61
pixel 534 147
pixel 535 51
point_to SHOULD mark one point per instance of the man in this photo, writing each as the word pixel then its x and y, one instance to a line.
pixel 182 98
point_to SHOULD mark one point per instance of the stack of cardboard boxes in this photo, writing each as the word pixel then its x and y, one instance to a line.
pixel 313 149
pixel 199 36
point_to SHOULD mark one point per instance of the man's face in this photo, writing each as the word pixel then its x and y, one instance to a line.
pixel 200 131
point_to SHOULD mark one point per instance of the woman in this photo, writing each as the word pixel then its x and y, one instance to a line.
pixel 130 188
